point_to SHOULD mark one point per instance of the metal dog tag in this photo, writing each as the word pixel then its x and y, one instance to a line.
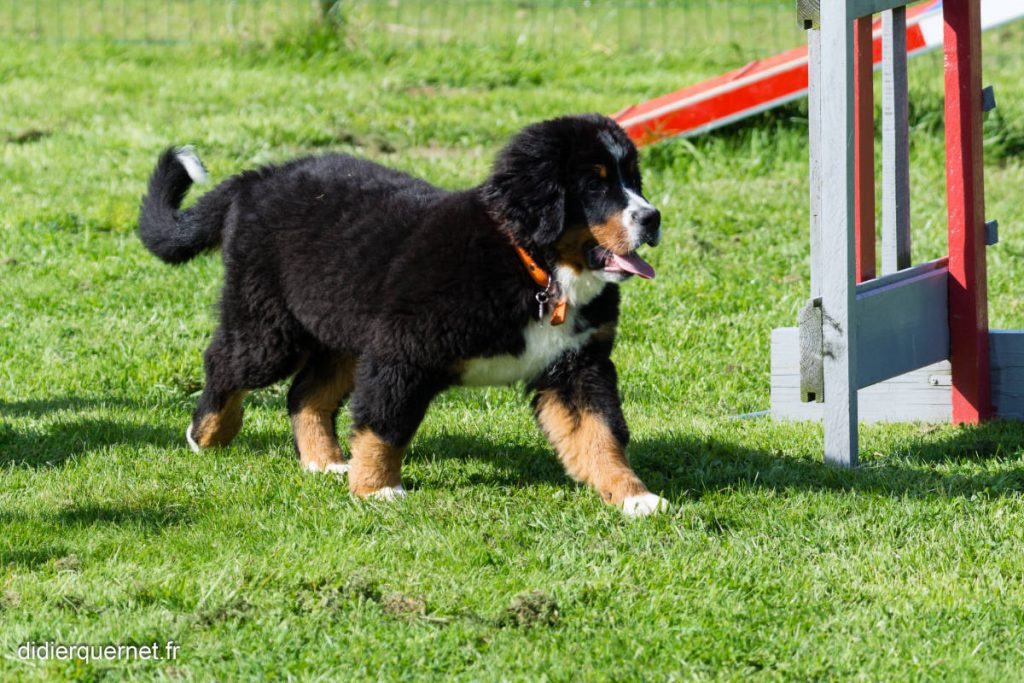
pixel 542 301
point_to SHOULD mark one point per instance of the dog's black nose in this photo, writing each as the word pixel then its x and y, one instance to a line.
pixel 649 220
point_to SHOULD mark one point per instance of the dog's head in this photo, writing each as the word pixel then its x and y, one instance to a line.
pixel 571 187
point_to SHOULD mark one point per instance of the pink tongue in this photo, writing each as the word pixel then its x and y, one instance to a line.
pixel 630 264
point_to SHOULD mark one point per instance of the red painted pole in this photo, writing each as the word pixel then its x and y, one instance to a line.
pixel 864 149
pixel 965 197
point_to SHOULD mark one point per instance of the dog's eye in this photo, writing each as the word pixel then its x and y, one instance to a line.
pixel 601 170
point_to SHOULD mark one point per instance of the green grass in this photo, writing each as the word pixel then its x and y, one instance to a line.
pixel 726 28
pixel 773 566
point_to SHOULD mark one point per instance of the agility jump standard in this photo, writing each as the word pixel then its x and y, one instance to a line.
pixel 896 331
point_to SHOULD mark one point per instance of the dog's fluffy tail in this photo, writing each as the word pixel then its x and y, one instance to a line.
pixel 178 236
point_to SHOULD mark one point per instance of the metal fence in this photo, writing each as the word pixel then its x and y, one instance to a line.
pixel 742 28
pixel 155 21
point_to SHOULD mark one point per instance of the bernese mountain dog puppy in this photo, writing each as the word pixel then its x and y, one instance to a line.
pixel 373 286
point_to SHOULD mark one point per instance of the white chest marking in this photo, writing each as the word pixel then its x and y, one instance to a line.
pixel 544 342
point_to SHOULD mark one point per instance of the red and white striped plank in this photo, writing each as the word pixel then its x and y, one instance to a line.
pixel 768 83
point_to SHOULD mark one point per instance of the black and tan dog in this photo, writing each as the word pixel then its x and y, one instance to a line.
pixel 374 286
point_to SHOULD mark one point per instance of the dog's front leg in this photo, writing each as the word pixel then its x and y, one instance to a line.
pixel 578 408
pixel 388 404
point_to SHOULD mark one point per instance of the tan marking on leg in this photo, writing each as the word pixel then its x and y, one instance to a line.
pixel 218 429
pixel 375 463
pixel 588 449
pixel 612 235
pixel 313 423
pixel 317 445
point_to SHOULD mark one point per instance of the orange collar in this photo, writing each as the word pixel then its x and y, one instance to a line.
pixel 544 281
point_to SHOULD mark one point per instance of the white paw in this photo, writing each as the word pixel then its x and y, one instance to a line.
pixel 191 442
pixel 332 467
pixel 644 504
pixel 388 493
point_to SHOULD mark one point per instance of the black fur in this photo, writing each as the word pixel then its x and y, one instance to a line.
pixel 333 255
pixel 177 237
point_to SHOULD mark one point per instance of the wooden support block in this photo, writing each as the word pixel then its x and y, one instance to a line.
pixel 808 13
pixel 1006 349
pixel 919 396
pixel 924 395
pixel 812 371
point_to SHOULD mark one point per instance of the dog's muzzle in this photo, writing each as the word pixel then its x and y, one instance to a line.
pixel 649 220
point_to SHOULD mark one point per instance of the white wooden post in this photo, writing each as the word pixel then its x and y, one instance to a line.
pixel 837 236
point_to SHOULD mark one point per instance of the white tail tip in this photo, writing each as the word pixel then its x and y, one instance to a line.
pixel 193 166
pixel 191 442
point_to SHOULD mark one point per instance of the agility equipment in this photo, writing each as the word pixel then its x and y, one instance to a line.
pixel 918 335
pixel 768 83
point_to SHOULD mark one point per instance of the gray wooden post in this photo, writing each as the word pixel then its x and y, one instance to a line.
pixel 895 143
pixel 837 238
pixel 814 133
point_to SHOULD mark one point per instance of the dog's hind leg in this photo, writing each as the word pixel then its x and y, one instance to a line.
pixel 313 401
pixel 235 363
pixel 217 419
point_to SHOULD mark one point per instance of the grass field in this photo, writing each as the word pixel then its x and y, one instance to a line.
pixel 496 567
pixel 730 29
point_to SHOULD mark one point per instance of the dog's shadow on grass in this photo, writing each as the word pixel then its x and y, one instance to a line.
pixel 30 532
pixel 490 461
pixel 57 430
pixel 69 427
pixel 678 465
pixel 684 466
pixel 145 517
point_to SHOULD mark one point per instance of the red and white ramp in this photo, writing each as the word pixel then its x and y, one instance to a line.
pixel 767 83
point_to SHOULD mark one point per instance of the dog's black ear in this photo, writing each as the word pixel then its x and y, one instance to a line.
pixel 526 190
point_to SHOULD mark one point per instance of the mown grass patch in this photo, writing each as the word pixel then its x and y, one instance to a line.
pixel 496 567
